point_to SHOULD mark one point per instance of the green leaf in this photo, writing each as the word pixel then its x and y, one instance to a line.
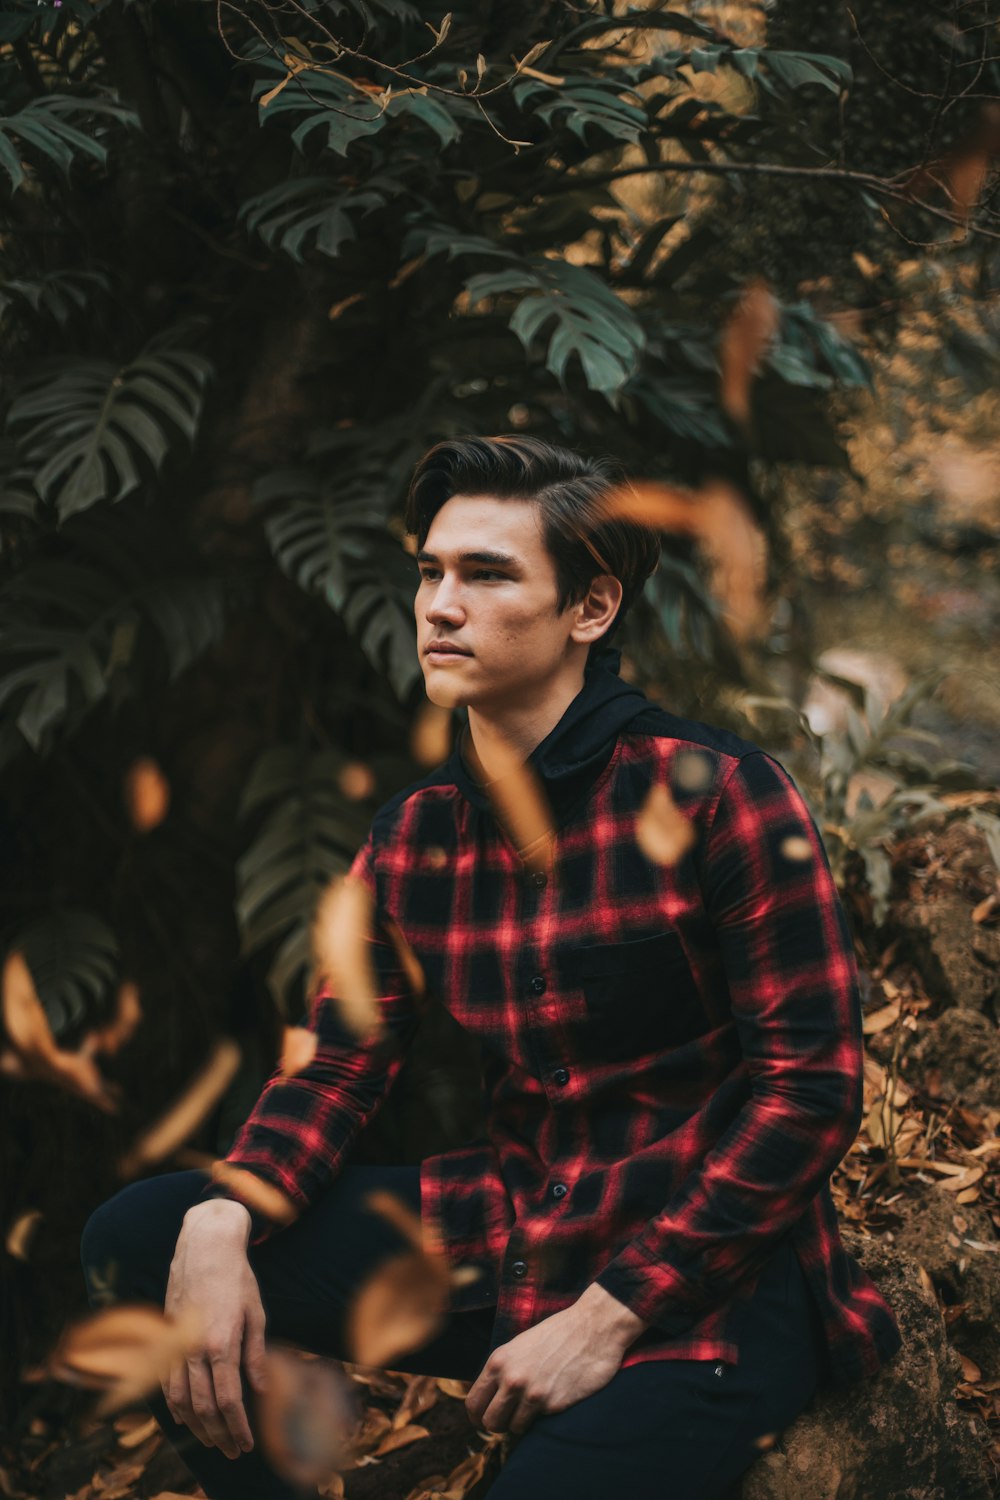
pixel 73 958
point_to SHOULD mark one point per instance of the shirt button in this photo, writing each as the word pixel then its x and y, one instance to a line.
pixel 538 985
pixel 559 1190
pixel 519 1268
pixel 561 1075
pixel 539 878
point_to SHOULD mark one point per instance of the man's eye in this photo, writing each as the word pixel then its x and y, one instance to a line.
pixel 488 573
pixel 428 573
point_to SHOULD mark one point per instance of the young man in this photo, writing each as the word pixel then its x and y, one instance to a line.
pixel 672 1054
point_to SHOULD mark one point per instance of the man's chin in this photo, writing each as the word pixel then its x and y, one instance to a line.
pixel 442 692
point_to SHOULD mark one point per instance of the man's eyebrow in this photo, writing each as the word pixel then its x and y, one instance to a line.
pixel 495 559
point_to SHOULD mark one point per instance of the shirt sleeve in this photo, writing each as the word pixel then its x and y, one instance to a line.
pixel 302 1127
pixel 786 950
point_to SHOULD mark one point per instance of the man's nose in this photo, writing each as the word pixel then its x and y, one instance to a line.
pixel 446 603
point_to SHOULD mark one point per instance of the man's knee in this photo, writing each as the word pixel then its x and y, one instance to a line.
pixel 128 1242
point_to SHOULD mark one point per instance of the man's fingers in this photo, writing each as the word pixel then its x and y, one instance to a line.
pixel 178 1399
pixel 254 1349
pixel 206 1411
pixel 229 1400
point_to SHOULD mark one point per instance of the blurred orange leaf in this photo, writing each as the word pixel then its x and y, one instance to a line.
pixel 662 831
pixel 748 331
pixel 342 959
pixel 147 794
pixel 305 1414
pixel 123 1351
pixel 187 1113
pixel 35 1055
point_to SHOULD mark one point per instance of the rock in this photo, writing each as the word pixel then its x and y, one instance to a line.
pixel 963 1048
pixel 965 1275
pixel 944 869
pixel 898 1435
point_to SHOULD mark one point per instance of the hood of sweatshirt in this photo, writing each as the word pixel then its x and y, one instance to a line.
pixel 576 750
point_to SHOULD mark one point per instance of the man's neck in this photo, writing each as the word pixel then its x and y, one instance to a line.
pixel 520 727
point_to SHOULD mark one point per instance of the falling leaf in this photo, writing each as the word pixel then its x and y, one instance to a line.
pixel 403 1304
pixel 662 831
pixel 298 1048
pixel 661 507
pixel 970 1370
pixel 520 804
pixel 748 331
pixel 260 1196
pixel 356 780
pixel 305 1414
pixel 408 960
pixel 691 771
pixel 128 1014
pixel 342 959
pixel 147 794
pixel 123 1351
pixel 765 1441
pixel 797 848
pixel 430 741
pixel 35 1055
pixel 187 1113
pixel 344 303
pixel 22 1232
pixel 737 548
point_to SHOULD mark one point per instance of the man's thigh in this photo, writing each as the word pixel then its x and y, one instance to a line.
pixel 308 1274
pixel 680 1429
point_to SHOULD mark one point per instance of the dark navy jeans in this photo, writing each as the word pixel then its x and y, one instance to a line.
pixel 678 1429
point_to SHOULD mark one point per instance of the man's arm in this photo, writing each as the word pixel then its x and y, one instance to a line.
pixel 786 950
pixel 300 1132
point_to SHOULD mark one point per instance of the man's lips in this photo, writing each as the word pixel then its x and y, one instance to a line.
pixel 444 648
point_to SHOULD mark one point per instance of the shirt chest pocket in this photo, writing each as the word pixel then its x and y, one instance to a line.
pixel 640 996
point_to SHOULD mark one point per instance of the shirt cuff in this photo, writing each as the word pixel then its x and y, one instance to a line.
pixel 262 1225
pixel 656 1292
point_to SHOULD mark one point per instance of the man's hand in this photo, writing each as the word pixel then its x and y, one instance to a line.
pixel 211 1276
pixel 553 1365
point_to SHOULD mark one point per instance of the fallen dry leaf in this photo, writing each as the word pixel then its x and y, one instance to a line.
pixel 187 1113
pixel 135 1435
pixel 400 1437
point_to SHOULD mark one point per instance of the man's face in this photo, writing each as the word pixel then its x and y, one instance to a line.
pixel 488 592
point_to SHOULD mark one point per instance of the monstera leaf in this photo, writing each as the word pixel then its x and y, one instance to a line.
pixel 306 209
pixel 73 958
pixel 71 626
pixel 332 540
pixel 44 126
pixel 309 834
pixel 91 429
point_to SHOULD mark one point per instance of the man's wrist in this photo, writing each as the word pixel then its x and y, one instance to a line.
pixel 608 1317
pixel 225 1215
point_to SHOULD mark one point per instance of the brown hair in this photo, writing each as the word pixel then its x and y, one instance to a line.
pixel 569 489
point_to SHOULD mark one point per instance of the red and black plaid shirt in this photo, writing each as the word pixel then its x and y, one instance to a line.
pixel 672 1053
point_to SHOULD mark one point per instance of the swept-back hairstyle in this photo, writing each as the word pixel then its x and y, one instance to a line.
pixel 582 537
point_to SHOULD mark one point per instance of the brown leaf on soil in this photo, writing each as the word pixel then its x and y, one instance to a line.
pixel 305 1415
pixel 749 329
pixel 342 960
pixel 136 1434
pixel 457 1389
pixel 881 1019
pixel 183 1118
pixel 147 794
pixel 123 1350
pixel 662 831
pixel 421 1395
pixel 970 1370
pixel 400 1437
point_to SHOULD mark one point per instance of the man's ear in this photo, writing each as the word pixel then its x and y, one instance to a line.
pixel 594 613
